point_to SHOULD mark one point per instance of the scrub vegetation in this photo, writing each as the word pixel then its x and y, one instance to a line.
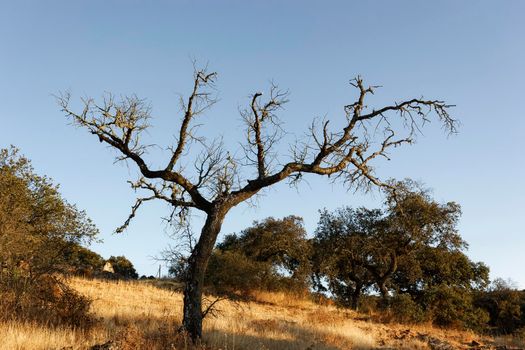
pixel 140 315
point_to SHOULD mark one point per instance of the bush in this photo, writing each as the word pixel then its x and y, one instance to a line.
pixel 81 261
pixel 405 310
pixel 45 299
pixel 454 307
pixel 369 304
pixel 233 273
pixel 271 255
pixel 123 267
pixel 505 306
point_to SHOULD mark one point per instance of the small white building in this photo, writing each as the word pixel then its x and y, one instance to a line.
pixel 108 267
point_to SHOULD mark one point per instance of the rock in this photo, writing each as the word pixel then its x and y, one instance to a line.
pixel 106 346
pixel 435 343
pixel 407 333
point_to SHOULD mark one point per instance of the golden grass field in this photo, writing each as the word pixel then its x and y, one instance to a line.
pixel 138 315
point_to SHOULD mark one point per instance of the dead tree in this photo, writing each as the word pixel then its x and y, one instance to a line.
pixel 220 181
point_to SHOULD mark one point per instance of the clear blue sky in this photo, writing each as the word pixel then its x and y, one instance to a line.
pixel 469 53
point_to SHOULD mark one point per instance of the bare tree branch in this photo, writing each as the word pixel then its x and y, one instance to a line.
pixel 211 309
pixel 134 209
pixel 119 125
pixel 337 151
pixel 263 128
pixel 216 184
pixel 198 101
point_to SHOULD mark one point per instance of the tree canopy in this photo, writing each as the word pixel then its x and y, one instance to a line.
pixel 36 223
pixel 37 227
pixel 411 244
pixel 123 267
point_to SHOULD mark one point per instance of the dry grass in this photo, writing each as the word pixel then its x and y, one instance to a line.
pixel 19 336
pixel 141 316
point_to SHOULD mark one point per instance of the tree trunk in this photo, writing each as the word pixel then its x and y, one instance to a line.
pixel 197 264
pixel 354 295
pixel 384 295
pixel 355 298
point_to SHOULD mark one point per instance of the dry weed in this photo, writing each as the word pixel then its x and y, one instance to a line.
pixel 139 315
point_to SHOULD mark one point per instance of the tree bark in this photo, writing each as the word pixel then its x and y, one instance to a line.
pixel 356 295
pixel 197 264
pixel 384 294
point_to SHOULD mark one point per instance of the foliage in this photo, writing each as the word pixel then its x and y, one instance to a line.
pixel 339 247
pixel 123 267
pixel 444 281
pixel 433 266
pixel 36 223
pixel 505 306
pixel 232 273
pixel 270 255
pixel 278 244
pixel 356 249
pixel 410 252
pixel 44 299
pixel 453 306
pixel 82 261
pixel 406 310
pixel 36 227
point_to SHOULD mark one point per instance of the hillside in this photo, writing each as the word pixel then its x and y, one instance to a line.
pixel 138 315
